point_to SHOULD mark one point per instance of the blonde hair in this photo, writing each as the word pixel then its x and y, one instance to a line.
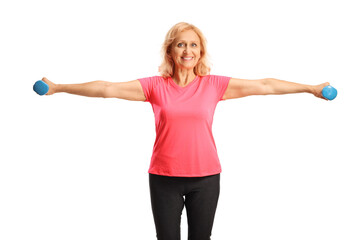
pixel 167 66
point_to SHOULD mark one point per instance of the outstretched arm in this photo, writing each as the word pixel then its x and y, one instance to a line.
pixel 131 90
pixel 238 88
pixel 276 86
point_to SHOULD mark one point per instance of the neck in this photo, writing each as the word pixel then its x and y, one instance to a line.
pixel 183 76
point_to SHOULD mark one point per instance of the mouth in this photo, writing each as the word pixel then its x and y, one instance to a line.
pixel 187 58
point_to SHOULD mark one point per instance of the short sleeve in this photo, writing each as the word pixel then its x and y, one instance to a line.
pixel 147 85
pixel 221 83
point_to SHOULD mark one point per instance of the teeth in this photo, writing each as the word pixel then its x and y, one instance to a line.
pixel 187 58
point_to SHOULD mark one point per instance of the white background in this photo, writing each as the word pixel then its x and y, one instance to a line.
pixel 75 167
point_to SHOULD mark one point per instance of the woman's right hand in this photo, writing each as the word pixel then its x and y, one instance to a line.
pixel 317 90
pixel 52 86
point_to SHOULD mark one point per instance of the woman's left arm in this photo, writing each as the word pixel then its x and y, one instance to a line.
pixel 276 86
pixel 238 88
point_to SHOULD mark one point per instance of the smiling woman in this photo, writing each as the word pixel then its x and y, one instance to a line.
pixel 185 167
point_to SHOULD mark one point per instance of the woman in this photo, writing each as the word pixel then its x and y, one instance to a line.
pixel 185 168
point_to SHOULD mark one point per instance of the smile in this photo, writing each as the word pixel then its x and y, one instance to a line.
pixel 187 59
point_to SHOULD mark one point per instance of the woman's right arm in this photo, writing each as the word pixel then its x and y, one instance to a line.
pixel 131 90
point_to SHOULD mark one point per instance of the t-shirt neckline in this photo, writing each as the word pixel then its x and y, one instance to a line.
pixel 179 87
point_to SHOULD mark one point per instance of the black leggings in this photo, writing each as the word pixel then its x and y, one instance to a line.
pixel 167 201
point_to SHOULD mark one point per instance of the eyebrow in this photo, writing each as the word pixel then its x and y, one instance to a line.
pixel 185 41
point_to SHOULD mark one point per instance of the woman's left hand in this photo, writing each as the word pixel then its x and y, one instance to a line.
pixel 317 89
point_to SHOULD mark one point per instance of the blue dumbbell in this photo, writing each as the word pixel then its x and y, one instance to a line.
pixel 329 92
pixel 40 87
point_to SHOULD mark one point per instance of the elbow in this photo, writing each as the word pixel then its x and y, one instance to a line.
pixel 105 89
pixel 267 81
pixel 267 86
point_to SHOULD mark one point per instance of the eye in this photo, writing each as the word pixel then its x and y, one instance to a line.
pixel 181 44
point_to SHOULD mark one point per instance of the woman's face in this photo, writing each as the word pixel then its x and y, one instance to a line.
pixel 186 50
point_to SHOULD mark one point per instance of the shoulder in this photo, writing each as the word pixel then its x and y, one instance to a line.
pixel 215 79
pixel 212 76
pixel 153 80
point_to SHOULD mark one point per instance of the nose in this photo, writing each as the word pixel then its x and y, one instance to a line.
pixel 186 50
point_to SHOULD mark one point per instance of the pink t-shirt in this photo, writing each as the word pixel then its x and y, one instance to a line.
pixel 184 144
